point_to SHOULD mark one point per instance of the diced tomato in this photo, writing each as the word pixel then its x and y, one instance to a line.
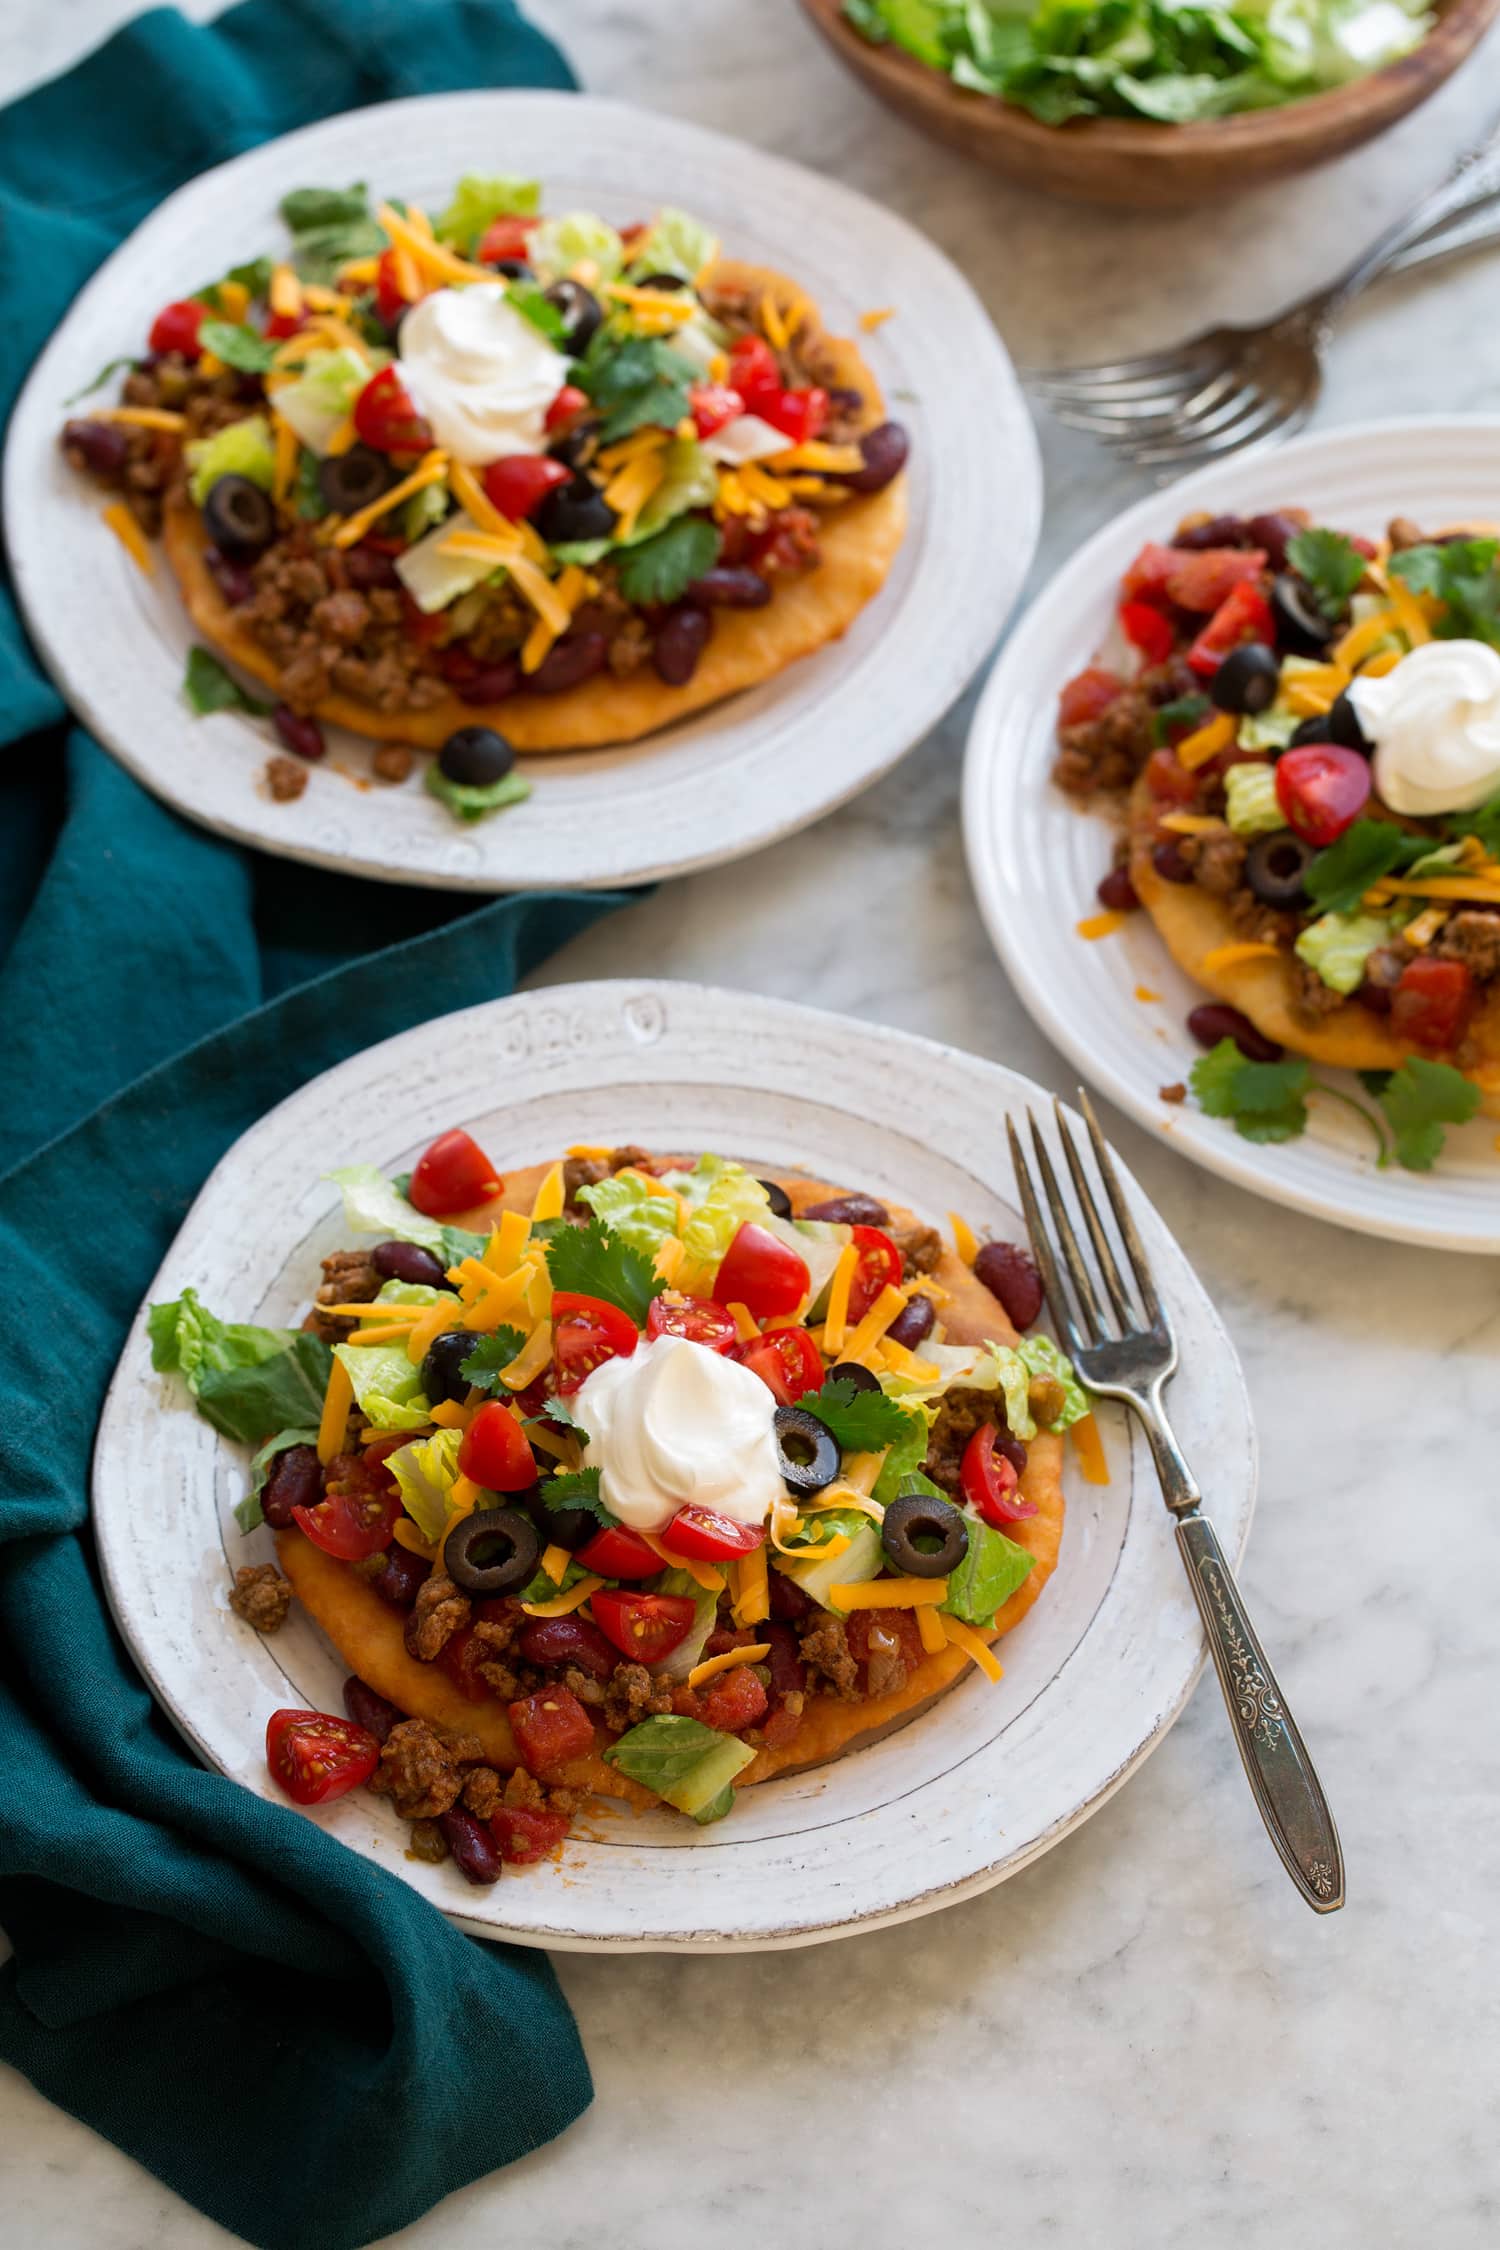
pixel 551 1727
pixel 643 1627
pixel 1148 629
pixel 699 1319
pixel 493 1451
pixel 1322 788
pixel 520 482
pixel 1087 694
pixel 885 1633
pixel 569 401
pixel 1199 579
pixel 799 414
pixel 525 1836
pixel 788 540
pixel 1169 780
pixel 176 326
pixel 788 1679
pixel 787 1361
pixel 453 1175
pixel 460 1657
pixel 619 1552
pixel 754 372
pixel 390 304
pixel 504 238
pixel 1432 1002
pixel 714 406
pixel 280 325
pixel 421 628
pixel 385 417
pixel 1244 615
pixel 990 1483
pixel 710 1537
pixel 586 1331
pixel 878 1267
pixel 761 1272
pixel 315 1757
pixel 733 1701
pixel 351 1524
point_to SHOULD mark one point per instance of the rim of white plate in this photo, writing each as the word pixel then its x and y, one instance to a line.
pixel 965 1795
pixel 1034 857
pixel 726 781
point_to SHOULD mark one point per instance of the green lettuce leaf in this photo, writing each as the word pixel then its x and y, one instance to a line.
pixel 687 1764
pixel 734 1198
pixel 319 402
pixel 329 226
pixel 207 686
pixel 689 1652
pixel 558 245
pixel 631 1212
pixel 1251 806
pixel 478 202
pixel 247 1512
pixel 425 1473
pixel 1337 946
pixel 988 1575
pixel 470 801
pixel 240 449
pixel 373 1205
pixel 689 480
pixel 247 1381
pixel 675 242
pixel 387 1388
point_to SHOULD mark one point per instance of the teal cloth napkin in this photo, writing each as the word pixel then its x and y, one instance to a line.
pixel 288 2037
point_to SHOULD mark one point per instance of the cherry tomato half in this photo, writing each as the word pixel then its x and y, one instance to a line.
pixel 990 1483
pixel 520 482
pixel 586 1331
pixel 710 1537
pixel 644 1627
pixel 754 372
pixel 176 326
pixel 453 1175
pixel 1322 788
pixel 1243 615
pixel 1432 1002
pixel 504 238
pixel 1196 578
pixel 569 401
pixel 714 406
pixel 878 1267
pixel 352 1524
pixel 1148 629
pixel 390 303
pixel 699 1319
pixel 550 1727
pixel 315 1757
pixel 385 417
pixel 619 1552
pixel 787 1361
pixel 798 414
pixel 1087 694
pixel 761 1272
pixel 494 1451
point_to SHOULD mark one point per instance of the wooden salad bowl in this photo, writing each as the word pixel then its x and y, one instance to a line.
pixel 1146 167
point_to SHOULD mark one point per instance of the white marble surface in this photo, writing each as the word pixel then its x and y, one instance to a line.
pixel 1145 2040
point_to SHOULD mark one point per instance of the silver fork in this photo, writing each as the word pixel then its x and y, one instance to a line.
pixel 1126 1350
pixel 1229 388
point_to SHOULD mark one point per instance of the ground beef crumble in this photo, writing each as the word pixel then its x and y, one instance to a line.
pixel 286 778
pixel 1472 937
pixel 825 1651
pixel 632 1695
pixel 350 1277
pixel 261 1596
pixel 439 1612
pixel 960 1413
pixel 424 1771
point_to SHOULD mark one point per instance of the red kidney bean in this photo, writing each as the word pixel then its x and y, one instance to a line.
pixel 1215 1020
pixel 1008 1273
pixel 883 450
pixel 402 1576
pixel 911 1326
pixel 730 586
pixel 1117 891
pixel 492 683
pixel 102 446
pixel 408 1261
pixel 367 1709
pixel 784 1660
pixel 849 1211
pixel 568 1640
pixel 1273 533
pixel 787 1597
pixel 295 1481
pixel 681 638
pixel 1169 862
pixel 1012 1450
pixel 476 1855
pixel 302 735
pixel 233 580
pixel 368 567
pixel 1219 531
pixel 569 662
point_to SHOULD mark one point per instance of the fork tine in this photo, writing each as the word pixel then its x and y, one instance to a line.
pixel 1167 382
pixel 1255 417
pixel 1130 418
pixel 1135 1249
pixel 1124 1312
pixel 1078 1272
pixel 1041 1243
pixel 1109 371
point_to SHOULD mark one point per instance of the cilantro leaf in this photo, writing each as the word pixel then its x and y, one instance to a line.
pixel 861 1421
pixel 328 227
pixel 481 1370
pixel 1483 823
pixel 577 1488
pixel 594 1263
pixel 307 492
pixel 1182 711
pixel 1462 574
pixel 530 298
pixel 209 687
pixel 661 569
pixel 1337 879
pixel 638 381
pixel 238 345
pixel 1420 1099
pixel 1265 1101
pixel 1331 565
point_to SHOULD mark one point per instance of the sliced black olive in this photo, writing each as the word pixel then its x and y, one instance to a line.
pixel 1247 680
pixel 514 269
pixel 1344 727
pixel 1275 867
pixel 780 1201
pixel 559 1527
pixel 350 481
pixel 476 756
pixel 924 1537
pixel 807 1453
pixel 580 312
pixel 238 517
pixel 575 510
pixel 441 1369
pixel 1301 627
pixel 660 281
pixel 1312 730
pixel 492 1551
pixel 576 446
pixel 850 1371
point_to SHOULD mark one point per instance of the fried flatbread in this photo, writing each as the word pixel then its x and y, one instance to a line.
pixel 857 541
pixel 368 1634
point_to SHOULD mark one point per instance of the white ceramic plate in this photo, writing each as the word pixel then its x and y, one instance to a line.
pixel 1035 857
pixel 725 781
pixel 961 1797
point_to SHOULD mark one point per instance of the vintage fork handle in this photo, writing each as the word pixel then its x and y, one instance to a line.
pixel 1279 1770
pixel 1474 178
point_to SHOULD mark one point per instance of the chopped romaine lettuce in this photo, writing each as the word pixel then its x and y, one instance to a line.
pixel 988 1575
pixel 387 1388
pixel 687 1764
pixel 471 800
pixel 905 1457
pixel 425 1472
pixel 675 242
pixel 478 202
pixel 680 1662
pixel 631 1211
pixel 374 1205
pixel 1267 730
pixel 247 1381
pixel 689 480
pixel 240 449
pixel 322 398
pixel 733 1198
pixel 558 245
pixel 1337 946
pixel 434 579
pixel 1251 806
pixel 423 510
pixel 863 1558
pixel 247 1512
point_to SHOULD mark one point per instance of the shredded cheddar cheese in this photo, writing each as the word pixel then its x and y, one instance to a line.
pixel 752 1588
pixel 1234 955
pixel 965 1241
pixel 1207 741
pixel 563 1605
pixel 930 1626
pixel 549 1197
pixel 755 1652
pixel 431 470
pixel 130 535
pixel 974 1646
pixel 837 1317
pixel 555 1561
pixel 1089 1446
pixel 1095 926
pixel 337 1400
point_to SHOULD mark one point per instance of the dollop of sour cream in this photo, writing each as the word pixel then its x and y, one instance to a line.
pixel 676 1422
pixel 1435 724
pixel 481 372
